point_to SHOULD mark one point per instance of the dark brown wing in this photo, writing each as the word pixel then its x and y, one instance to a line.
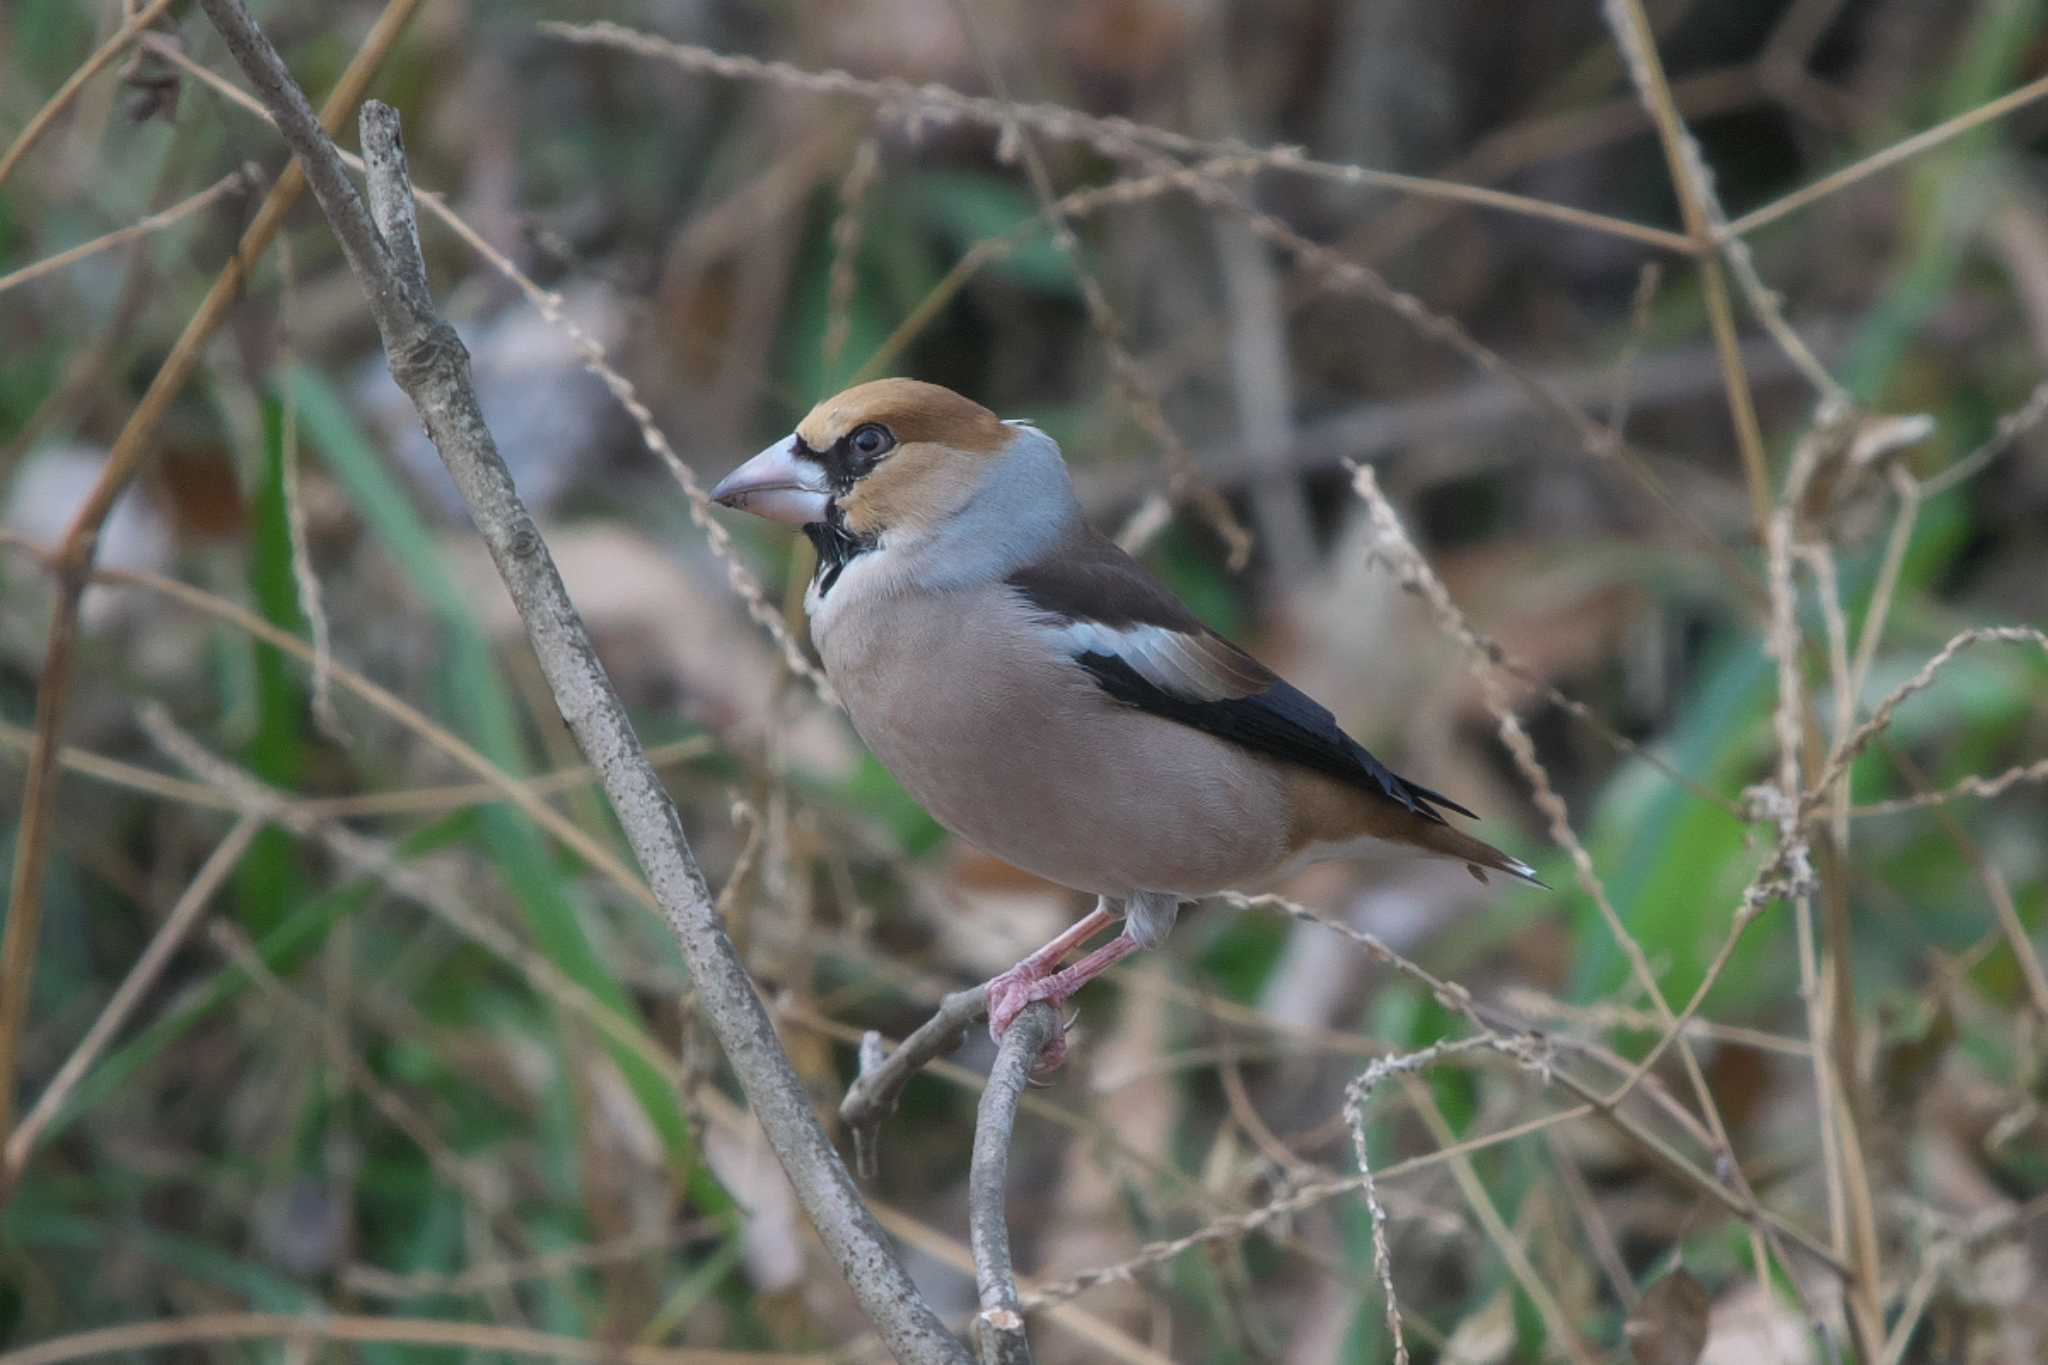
pixel 1144 648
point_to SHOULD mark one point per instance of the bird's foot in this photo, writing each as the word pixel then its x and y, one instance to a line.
pixel 1029 982
pixel 1010 993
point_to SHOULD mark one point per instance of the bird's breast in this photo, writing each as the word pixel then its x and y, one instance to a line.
pixel 1013 747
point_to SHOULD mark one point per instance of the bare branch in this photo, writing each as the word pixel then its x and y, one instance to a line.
pixel 166 941
pixel 431 365
pixel 1105 134
pixel 999 1328
pixel 236 182
pixel 873 1095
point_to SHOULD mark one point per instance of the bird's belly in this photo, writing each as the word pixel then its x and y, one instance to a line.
pixel 1016 751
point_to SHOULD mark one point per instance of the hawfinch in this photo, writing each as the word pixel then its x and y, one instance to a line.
pixel 1045 697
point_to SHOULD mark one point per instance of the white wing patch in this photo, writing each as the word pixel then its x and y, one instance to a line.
pixel 1188 667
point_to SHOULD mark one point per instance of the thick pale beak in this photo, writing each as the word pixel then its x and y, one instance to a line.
pixel 777 485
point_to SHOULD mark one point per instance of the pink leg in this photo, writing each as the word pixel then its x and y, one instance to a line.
pixel 1042 962
pixel 1006 1003
pixel 1012 990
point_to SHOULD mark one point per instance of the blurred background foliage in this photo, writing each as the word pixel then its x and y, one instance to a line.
pixel 339 1097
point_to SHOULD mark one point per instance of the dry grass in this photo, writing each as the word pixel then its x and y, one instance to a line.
pixel 1765 1035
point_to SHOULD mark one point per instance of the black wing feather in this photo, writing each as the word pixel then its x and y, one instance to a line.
pixel 1089 578
pixel 1282 721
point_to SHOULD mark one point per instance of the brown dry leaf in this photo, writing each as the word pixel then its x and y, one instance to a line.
pixel 1669 1326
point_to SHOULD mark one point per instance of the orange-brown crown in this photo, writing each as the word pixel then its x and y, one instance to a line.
pixel 940 446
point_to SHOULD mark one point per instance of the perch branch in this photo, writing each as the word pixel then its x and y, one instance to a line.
pixel 381 242
pixel 873 1095
pixel 999 1327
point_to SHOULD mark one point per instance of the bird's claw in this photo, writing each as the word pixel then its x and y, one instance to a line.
pixel 1009 995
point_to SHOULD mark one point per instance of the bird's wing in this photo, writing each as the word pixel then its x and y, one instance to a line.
pixel 1145 649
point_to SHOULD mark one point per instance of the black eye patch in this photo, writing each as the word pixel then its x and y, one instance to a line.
pixel 851 457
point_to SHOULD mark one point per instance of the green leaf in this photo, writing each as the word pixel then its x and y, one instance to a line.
pixel 269 877
pixel 553 904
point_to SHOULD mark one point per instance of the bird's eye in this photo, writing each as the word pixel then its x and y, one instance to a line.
pixel 871 441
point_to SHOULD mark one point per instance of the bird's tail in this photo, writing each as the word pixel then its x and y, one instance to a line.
pixel 1478 856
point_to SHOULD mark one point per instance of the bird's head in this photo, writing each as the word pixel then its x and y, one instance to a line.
pixel 894 455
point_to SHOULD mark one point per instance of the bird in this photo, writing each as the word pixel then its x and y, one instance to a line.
pixel 1047 699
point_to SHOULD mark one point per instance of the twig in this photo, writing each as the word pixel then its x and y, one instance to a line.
pixel 1395 549
pixel 381 240
pixel 304 577
pixel 872 1096
pixel 999 1327
pixel 1996 891
pixel 74 559
pixel 1910 500
pixel 1063 124
pixel 1356 1096
pixel 1888 157
pixel 1556 1323
pixel 87 69
pixel 2008 429
pixel 166 941
pixel 384 1284
pixel 1648 280
pixel 422 1332
pixel 1847 750
pixel 1183 477
pixel 549 305
pixel 1975 785
pixel 1742 1202
pixel 233 183
pixel 846 231
pixel 1632 34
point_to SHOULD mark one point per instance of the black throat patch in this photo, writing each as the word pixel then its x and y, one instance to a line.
pixel 836 545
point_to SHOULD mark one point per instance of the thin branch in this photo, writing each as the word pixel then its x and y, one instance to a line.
pixel 2008 429
pixel 521 794
pixel 381 241
pixel 169 936
pixel 1556 1322
pixel 374 1282
pixel 233 183
pixel 1070 125
pixel 846 234
pixel 1995 889
pixel 1888 157
pixel 1183 478
pixel 550 305
pixel 1975 785
pixel 872 1096
pixel 1847 749
pixel 1632 34
pixel 74 559
pixel 999 1327
pixel 90 67
pixel 214 1328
